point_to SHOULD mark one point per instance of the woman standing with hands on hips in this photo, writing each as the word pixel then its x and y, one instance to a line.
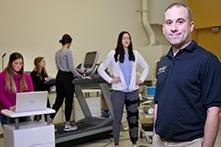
pixel 64 87
pixel 123 61
pixel 13 80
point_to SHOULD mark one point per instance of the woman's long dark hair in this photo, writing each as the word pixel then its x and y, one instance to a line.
pixel 119 51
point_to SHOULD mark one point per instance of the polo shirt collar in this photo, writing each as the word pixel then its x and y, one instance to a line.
pixel 192 46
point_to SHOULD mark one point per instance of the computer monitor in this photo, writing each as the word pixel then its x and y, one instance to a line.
pixel 90 61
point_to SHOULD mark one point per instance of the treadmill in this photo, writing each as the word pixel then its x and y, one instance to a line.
pixel 89 125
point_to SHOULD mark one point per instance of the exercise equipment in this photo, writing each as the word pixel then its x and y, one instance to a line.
pixel 89 125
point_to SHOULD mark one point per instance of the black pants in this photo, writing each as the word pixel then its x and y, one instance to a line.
pixel 64 89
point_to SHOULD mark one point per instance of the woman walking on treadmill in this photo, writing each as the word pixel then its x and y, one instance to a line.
pixel 123 61
pixel 64 86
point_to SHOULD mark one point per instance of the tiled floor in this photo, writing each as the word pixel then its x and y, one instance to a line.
pixel 124 142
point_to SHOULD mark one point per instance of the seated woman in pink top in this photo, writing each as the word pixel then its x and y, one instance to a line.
pixel 13 80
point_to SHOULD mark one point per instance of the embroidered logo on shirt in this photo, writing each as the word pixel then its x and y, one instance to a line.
pixel 162 70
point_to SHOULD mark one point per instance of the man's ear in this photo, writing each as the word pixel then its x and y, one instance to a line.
pixel 191 26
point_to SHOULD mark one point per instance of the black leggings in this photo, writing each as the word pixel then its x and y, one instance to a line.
pixel 64 89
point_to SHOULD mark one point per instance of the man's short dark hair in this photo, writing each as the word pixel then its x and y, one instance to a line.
pixel 181 5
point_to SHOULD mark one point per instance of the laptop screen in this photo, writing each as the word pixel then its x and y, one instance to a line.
pixel 31 101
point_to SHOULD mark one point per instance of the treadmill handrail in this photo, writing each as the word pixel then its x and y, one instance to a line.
pixel 79 81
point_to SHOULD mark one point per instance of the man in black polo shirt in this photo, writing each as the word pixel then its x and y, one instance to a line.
pixel 188 91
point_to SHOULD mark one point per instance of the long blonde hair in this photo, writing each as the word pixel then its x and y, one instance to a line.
pixel 9 81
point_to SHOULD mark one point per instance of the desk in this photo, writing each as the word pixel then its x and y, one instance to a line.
pixel 26 134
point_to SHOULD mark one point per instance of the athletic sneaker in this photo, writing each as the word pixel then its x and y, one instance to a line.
pixel 70 128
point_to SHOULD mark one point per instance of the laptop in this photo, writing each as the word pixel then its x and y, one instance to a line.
pixel 31 101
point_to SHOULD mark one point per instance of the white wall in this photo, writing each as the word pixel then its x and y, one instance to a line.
pixel 157 8
pixel 34 27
